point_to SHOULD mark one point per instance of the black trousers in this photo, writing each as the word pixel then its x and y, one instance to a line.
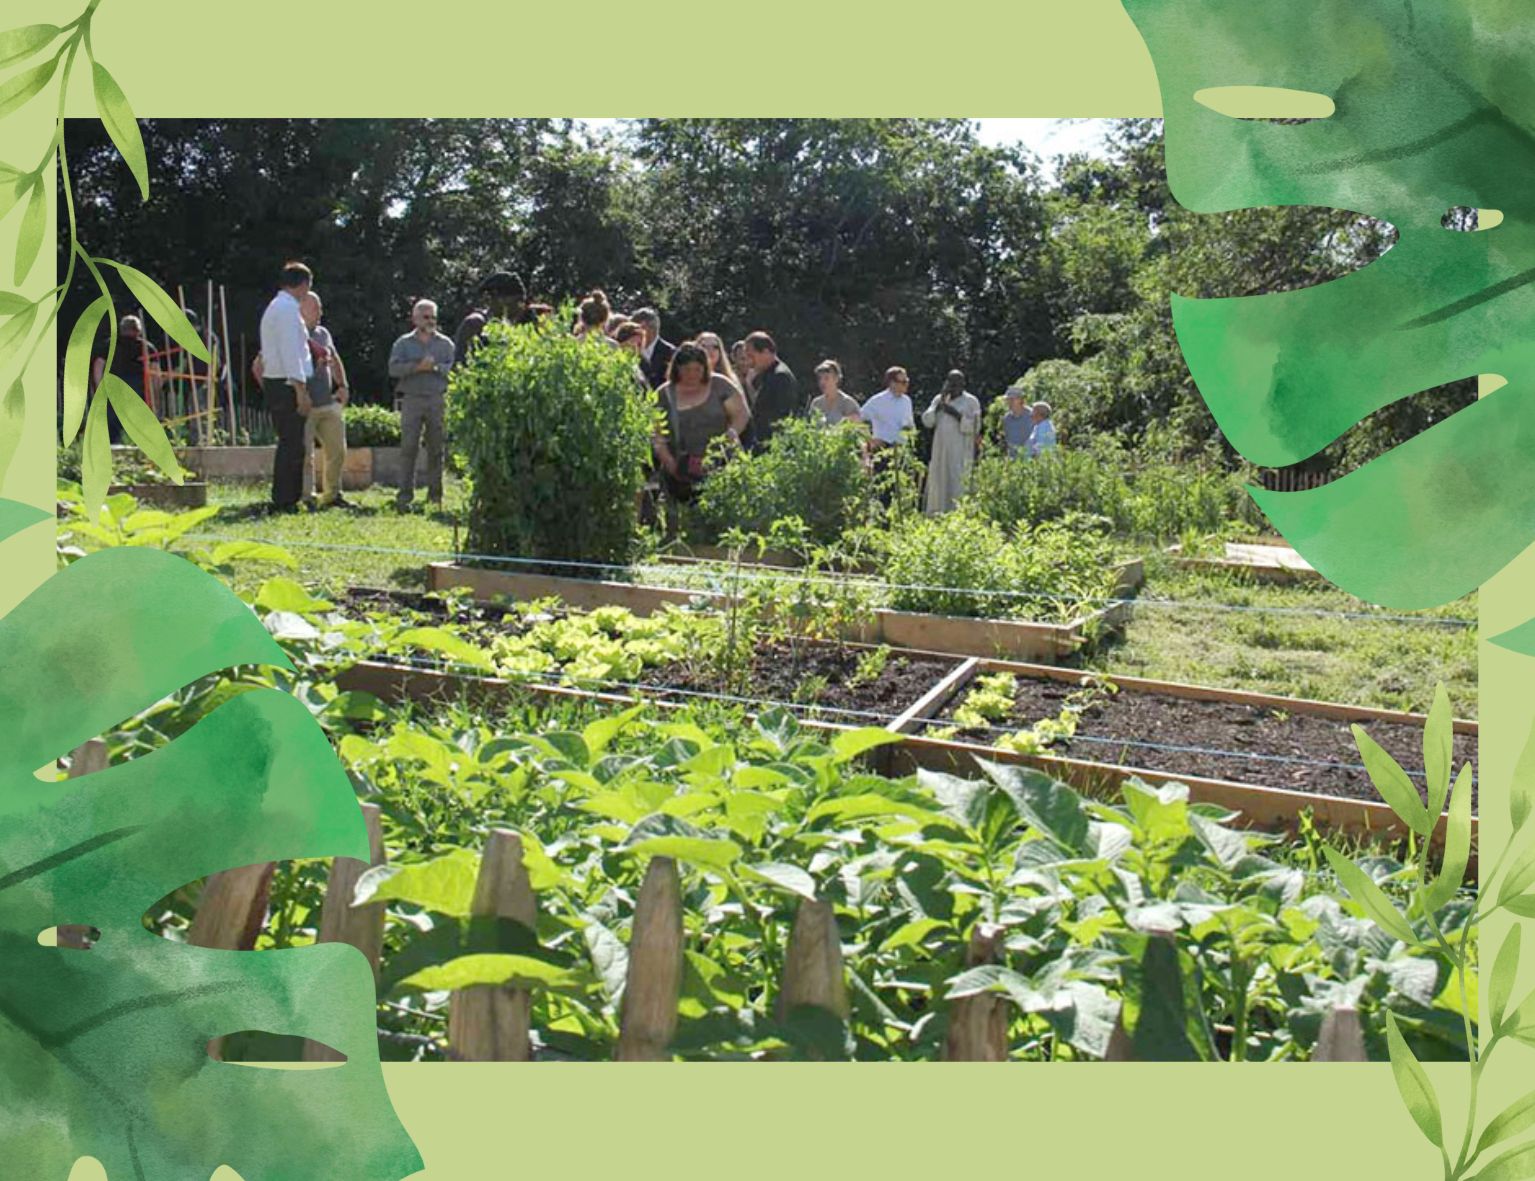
pixel 288 467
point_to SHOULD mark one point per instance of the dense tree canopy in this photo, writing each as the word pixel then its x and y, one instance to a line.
pixel 878 242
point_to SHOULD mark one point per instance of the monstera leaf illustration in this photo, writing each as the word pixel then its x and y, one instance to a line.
pixel 104 1052
pixel 1433 108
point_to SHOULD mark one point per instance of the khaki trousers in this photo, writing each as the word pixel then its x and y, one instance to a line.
pixel 327 424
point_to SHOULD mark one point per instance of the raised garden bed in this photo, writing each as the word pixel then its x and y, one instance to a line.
pixel 1291 752
pixel 952 635
pixel 364 466
pixel 1263 561
pixel 177 496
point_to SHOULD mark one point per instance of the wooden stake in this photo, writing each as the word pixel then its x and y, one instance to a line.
pixel 1341 1038
pixel 812 972
pixel 978 1024
pixel 341 922
pixel 492 1022
pixel 232 909
pixel 88 758
pixel 654 982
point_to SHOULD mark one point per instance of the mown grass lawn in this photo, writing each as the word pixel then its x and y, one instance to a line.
pixel 1298 641
pixel 1209 628
pixel 369 545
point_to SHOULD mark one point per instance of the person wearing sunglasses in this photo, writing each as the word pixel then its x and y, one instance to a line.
pixel 418 364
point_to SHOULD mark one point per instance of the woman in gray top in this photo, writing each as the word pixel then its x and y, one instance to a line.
pixel 700 407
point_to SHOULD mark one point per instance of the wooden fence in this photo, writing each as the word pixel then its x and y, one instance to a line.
pixel 493 1023
pixel 1290 480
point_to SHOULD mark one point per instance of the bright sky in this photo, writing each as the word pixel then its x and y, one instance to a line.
pixel 1046 138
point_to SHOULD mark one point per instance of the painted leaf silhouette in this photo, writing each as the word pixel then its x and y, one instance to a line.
pixel 1434 108
pixel 103 1052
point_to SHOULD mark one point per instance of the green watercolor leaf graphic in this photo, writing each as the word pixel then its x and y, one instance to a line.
pixel 1432 109
pixel 1438 751
pixel 16 45
pixel 1517 1164
pixel 13 413
pixel 1517 1117
pixel 14 332
pixel 1362 890
pixel 1457 846
pixel 1393 784
pixel 11 303
pixel 117 117
pixel 77 367
pixel 95 456
pixel 1412 1082
pixel 162 308
pixel 14 186
pixel 1505 970
pixel 141 424
pixel 105 1049
pixel 24 87
pixel 33 222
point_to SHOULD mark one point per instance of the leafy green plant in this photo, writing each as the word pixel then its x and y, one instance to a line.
pixel 556 437
pixel 963 564
pixel 1140 495
pixel 372 426
pixel 807 471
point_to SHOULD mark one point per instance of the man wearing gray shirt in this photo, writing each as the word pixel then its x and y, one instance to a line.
pixel 419 364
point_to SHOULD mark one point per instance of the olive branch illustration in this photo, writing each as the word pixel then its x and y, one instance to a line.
pixel 27 321
pixel 1419 928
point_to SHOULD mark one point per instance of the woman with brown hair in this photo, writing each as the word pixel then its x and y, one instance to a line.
pixel 719 359
pixel 700 406
pixel 593 318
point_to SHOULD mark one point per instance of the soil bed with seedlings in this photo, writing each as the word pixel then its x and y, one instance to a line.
pixel 875 681
pixel 881 682
pixel 1210 739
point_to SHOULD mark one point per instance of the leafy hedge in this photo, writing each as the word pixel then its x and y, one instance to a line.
pixel 555 433
pixel 372 426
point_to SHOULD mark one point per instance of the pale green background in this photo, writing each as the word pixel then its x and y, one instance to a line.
pixel 790 1122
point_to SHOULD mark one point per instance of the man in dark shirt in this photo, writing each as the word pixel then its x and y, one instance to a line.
pixel 777 390
pixel 504 298
pixel 655 353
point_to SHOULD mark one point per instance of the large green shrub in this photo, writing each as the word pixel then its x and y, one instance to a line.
pixel 372 426
pixel 1140 495
pixel 555 435
pixel 808 471
pixel 963 564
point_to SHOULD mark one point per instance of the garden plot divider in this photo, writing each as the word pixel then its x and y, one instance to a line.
pixel 949 635
pixel 1263 806
pixel 1262 562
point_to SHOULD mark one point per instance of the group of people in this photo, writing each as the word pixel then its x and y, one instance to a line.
pixel 705 390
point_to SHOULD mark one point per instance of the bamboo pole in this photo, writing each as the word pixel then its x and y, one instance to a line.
pixel 653 985
pixel 978 1024
pixel 229 384
pixel 232 909
pixel 341 922
pixel 492 1022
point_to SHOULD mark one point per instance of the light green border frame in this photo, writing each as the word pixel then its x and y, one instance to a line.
pixel 485 57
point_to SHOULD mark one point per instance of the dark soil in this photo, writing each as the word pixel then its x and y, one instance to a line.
pixel 781 675
pixel 1225 740
pixel 778 673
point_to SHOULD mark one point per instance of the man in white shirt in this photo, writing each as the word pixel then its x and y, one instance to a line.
pixel 286 370
pixel 888 412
